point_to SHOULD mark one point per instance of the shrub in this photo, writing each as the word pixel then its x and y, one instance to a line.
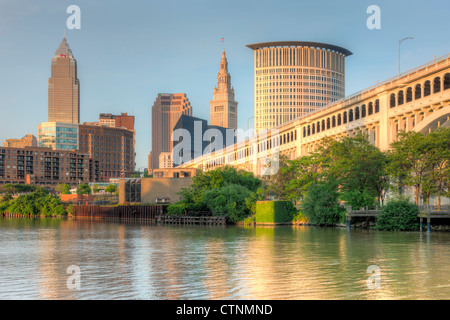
pixel 274 211
pixel 176 209
pixel 299 217
pixel 320 204
pixel 398 215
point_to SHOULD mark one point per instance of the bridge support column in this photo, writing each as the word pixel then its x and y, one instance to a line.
pixel 428 224
pixel 421 224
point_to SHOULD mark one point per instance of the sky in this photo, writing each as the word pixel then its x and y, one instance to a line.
pixel 129 51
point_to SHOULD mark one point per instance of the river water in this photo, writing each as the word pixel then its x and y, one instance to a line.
pixel 126 260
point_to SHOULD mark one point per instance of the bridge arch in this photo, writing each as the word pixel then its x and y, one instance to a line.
pixel 431 122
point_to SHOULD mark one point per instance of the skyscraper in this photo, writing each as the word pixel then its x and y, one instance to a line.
pixel 223 105
pixel 293 78
pixel 166 111
pixel 64 87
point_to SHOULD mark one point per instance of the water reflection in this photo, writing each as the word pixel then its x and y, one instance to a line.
pixel 148 261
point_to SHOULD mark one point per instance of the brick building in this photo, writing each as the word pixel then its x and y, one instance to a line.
pixel 113 147
pixel 46 166
pixel 28 141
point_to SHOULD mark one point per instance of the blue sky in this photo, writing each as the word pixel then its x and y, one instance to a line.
pixel 129 51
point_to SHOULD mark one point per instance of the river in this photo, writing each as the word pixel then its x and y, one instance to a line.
pixel 126 260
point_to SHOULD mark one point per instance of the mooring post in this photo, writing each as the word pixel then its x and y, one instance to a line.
pixel 428 224
pixel 421 224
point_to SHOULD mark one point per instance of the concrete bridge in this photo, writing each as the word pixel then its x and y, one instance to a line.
pixel 416 100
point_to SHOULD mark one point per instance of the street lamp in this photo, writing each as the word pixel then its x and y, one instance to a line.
pixel 399 43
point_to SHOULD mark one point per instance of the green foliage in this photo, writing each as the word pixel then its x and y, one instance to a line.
pixel 398 215
pixel 250 219
pixel 36 203
pixel 176 209
pixel 95 188
pixel 111 188
pixel 84 189
pixel 18 188
pixel 358 199
pixel 356 165
pixel 65 189
pixel 299 217
pixel 6 197
pixel 275 211
pixel 229 201
pixel 214 179
pixel 320 204
pixel 421 161
pixel 224 191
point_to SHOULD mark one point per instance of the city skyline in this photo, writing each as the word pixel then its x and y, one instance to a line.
pixel 123 73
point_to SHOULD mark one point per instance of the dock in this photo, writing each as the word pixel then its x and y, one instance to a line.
pixel 425 212
pixel 155 213
pixel 209 220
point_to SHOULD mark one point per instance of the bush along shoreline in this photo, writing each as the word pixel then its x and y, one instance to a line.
pixel 38 203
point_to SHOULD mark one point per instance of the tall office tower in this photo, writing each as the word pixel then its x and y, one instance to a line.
pixel 166 111
pixel 223 105
pixel 64 87
pixel 293 78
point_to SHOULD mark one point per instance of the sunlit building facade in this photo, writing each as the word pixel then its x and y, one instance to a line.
pixel 64 87
pixel 294 78
pixel 58 136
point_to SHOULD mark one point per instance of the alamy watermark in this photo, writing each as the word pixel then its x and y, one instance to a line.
pixel 226 146
pixel 74 280
pixel 374 21
pixel 374 280
pixel 74 21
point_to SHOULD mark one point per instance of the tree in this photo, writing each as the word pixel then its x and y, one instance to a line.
pixel 65 189
pixel 306 170
pixel 95 188
pixel 276 183
pixel 320 204
pixel 438 155
pixel 225 191
pixel 110 189
pixel 61 188
pixel 6 197
pixel 229 201
pixel 359 169
pixel 421 162
pixel 83 189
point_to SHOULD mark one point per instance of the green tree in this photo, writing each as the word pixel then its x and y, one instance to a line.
pixel 229 201
pixel 83 189
pixel 359 169
pixel 276 183
pixel 306 170
pixel 95 188
pixel 409 164
pixel 65 189
pixel 438 156
pixel 111 188
pixel 320 204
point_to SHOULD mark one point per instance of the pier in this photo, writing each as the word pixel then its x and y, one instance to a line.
pixel 155 213
pixel 125 212
pixel 209 220
pixel 425 212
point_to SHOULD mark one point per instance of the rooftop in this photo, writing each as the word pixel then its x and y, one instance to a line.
pixel 309 44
